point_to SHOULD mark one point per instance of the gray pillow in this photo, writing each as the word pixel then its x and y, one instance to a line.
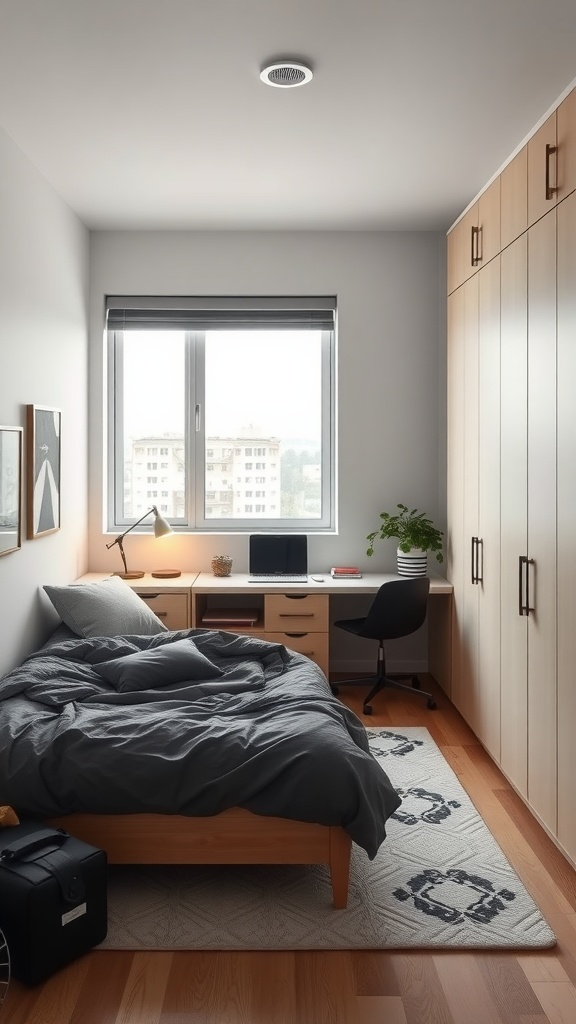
pixel 106 608
pixel 158 666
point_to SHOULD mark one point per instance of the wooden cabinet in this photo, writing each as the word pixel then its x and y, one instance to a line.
pixel 299 621
pixel 541 567
pixel 552 160
pixel 485 554
pixel 475 239
pixel 461 261
pixel 542 171
pixel 463 487
pixel 566 142
pixel 513 510
pixel 169 599
pixel 474 483
pixel 512 479
pixel 514 198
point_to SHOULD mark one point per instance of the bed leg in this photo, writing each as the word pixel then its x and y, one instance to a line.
pixel 340 849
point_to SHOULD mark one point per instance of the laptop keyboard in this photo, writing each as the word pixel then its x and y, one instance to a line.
pixel 278 577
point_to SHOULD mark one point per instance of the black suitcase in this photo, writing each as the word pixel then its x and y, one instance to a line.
pixel 53 903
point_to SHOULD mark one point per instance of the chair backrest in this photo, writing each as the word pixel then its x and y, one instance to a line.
pixel 398 609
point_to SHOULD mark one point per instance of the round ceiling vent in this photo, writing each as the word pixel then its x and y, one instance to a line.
pixel 286 74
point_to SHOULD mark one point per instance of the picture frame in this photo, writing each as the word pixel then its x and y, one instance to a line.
pixel 43 468
pixel 10 489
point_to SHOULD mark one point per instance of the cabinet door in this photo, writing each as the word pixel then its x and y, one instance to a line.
pixel 469 698
pixel 488 719
pixel 455 553
pixel 488 245
pixel 566 133
pixel 513 509
pixel 542 171
pixel 566 461
pixel 462 246
pixel 542 725
pixel 514 198
pixel 463 454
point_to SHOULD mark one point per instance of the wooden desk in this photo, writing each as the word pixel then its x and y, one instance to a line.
pixel 298 615
pixel 295 614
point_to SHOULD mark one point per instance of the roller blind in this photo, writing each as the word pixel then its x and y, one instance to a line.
pixel 124 313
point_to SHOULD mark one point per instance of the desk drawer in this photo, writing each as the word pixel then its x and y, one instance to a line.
pixel 171 609
pixel 287 613
pixel 313 645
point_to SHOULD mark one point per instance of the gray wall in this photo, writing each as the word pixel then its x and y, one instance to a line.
pixel 43 360
pixel 391 396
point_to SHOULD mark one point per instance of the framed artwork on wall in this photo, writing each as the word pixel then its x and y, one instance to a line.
pixel 10 489
pixel 43 450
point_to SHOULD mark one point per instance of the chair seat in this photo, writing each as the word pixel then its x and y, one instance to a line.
pixel 351 625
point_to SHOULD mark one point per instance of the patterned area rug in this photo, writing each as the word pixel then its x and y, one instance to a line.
pixel 439 880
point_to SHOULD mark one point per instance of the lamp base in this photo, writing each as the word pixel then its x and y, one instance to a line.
pixel 166 574
pixel 136 575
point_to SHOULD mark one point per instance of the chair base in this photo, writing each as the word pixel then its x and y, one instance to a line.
pixel 382 682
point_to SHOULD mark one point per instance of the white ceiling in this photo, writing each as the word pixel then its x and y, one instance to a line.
pixel 151 114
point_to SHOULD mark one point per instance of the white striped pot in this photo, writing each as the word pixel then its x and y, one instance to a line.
pixel 412 563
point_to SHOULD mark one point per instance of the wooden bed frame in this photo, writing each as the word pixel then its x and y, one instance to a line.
pixel 235 836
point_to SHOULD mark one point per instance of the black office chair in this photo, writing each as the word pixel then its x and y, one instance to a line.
pixel 398 609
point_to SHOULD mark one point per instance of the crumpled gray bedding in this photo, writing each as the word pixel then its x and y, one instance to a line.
pixel 267 735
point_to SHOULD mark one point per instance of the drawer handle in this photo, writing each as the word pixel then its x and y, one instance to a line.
pixel 161 615
pixel 296 615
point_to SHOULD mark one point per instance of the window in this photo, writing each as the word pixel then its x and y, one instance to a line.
pixel 197 381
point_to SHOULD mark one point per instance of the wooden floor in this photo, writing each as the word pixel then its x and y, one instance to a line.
pixel 341 987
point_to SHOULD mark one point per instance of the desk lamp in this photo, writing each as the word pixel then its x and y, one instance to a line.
pixel 161 529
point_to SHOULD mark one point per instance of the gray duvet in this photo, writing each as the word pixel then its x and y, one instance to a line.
pixel 267 734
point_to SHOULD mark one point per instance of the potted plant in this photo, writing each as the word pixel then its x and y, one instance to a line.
pixel 416 535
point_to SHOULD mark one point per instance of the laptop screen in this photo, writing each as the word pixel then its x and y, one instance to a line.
pixel 272 554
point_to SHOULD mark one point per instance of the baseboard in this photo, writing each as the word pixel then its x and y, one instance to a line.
pixel 367 667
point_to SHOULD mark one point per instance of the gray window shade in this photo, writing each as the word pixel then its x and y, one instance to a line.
pixel 203 314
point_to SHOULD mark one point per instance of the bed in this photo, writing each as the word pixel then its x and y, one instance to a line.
pixel 193 746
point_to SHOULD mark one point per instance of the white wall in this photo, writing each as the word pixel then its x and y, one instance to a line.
pixel 391 425
pixel 43 361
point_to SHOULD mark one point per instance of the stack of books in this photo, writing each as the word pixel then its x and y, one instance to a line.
pixel 345 572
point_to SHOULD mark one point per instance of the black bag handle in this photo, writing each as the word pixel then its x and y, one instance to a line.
pixel 21 847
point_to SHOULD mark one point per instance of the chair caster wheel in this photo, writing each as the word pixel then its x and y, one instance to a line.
pixel 367 709
pixel 431 704
pixel 335 690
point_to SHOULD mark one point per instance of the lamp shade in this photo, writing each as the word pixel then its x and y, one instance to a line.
pixel 161 527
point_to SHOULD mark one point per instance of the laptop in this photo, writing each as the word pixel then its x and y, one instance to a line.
pixel 278 558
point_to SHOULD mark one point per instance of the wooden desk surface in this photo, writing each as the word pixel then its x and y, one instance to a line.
pixel 237 583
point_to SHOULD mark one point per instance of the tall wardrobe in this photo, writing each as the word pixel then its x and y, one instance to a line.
pixel 512 470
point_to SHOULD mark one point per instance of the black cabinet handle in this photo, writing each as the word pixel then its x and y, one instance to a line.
pixel 475 249
pixel 524 606
pixel 521 563
pixel 477 560
pixel 550 189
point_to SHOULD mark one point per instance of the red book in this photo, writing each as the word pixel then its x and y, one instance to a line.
pixel 345 568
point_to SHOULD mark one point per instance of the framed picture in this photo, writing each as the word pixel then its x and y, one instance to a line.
pixel 43 450
pixel 10 489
